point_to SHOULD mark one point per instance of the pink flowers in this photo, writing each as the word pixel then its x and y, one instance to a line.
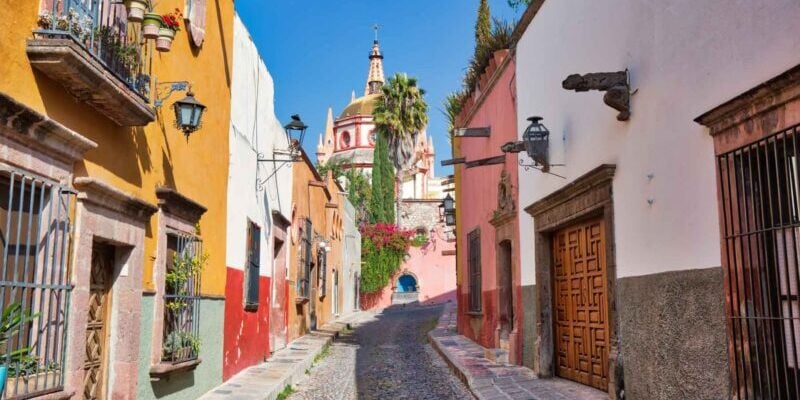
pixel 387 235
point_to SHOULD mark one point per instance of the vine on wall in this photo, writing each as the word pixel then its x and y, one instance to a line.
pixel 383 247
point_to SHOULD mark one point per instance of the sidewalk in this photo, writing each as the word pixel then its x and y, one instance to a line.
pixel 285 367
pixel 489 380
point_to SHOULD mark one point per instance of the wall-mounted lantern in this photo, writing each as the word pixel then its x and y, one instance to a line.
pixel 295 131
pixel 188 111
pixel 447 209
pixel 188 114
pixel 537 142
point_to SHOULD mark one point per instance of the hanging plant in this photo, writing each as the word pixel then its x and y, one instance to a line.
pixel 136 9
pixel 170 26
pixel 151 24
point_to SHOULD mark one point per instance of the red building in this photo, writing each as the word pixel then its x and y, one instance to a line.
pixel 489 290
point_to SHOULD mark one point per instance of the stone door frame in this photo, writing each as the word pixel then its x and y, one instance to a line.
pixel 587 197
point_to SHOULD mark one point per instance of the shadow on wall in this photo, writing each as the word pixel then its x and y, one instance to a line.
pixel 174 384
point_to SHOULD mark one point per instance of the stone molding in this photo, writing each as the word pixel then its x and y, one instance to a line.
pixel 179 205
pixel 38 132
pixel 280 220
pixel 66 62
pixel 98 192
pixel 758 100
pixel 597 178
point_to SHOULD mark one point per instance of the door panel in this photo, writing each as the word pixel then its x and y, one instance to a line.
pixel 95 358
pixel 581 306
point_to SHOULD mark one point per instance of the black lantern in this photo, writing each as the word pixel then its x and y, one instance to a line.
pixel 536 139
pixel 295 130
pixel 188 114
pixel 449 208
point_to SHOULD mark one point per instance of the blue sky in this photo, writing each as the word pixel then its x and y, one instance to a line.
pixel 316 51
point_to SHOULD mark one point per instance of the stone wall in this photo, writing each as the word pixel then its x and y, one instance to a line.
pixel 419 213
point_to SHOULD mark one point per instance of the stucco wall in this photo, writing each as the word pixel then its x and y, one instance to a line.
pixel 684 58
pixel 187 385
pixel 351 258
pixel 255 189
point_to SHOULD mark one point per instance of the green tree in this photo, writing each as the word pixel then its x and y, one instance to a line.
pixel 359 192
pixel 381 205
pixel 400 114
pixel 483 25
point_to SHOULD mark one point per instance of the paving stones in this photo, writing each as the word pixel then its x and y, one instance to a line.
pixel 386 357
pixel 492 381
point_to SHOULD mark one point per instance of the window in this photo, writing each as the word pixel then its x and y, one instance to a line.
pixel 474 261
pixel 185 261
pixel 34 282
pixel 345 142
pixel 758 186
pixel 252 266
pixel 304 272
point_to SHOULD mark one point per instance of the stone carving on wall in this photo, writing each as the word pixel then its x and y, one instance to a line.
pixel 615 84
pixel 505 194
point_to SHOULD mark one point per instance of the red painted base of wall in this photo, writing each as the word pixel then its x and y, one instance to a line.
pixel 246 340
pixel 481 328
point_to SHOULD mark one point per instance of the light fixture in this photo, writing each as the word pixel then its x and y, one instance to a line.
pixel 449 210
pixel 188 113
pixel 537 140
pixel 295 130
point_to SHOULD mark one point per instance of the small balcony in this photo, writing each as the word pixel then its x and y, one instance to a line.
pixel 89 47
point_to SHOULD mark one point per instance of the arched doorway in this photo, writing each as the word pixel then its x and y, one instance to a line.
pixel 406 289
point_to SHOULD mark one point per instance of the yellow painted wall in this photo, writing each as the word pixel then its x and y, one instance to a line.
pixel 137 160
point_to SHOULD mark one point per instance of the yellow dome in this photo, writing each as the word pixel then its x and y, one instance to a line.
pixel 360 106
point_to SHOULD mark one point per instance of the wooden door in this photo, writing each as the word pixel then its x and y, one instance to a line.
pixel 581 305
pixel 280 298
pixel 95 358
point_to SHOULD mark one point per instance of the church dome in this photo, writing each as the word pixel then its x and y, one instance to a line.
pixel 361 106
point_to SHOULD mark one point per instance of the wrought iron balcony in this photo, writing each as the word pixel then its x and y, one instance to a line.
pixel 89 47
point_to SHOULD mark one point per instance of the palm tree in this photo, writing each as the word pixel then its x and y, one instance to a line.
pixel 400 114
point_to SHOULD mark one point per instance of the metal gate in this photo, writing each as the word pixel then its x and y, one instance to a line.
pixel 760 217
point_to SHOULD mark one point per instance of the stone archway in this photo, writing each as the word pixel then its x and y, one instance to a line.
pixel 406 289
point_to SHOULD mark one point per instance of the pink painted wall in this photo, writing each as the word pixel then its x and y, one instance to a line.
pixel 435 273
pixel 478 200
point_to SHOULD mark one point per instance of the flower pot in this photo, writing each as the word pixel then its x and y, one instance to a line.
pixel 136 9
pixel 164 40
pixel 151 24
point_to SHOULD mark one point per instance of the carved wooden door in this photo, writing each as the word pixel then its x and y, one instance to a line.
pixel 95 363
pixel 581 306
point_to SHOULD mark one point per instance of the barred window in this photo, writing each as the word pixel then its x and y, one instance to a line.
pixel 185 261
pixel 253 266
pixel 35 291
pixel 474 251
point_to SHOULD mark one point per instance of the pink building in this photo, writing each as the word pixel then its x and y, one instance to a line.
pixel 489 290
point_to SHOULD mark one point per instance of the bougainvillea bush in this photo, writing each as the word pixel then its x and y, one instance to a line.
pixel 383 247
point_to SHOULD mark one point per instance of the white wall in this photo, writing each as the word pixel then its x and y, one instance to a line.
pixel 684 57
pixel 351 256
pixel 254 129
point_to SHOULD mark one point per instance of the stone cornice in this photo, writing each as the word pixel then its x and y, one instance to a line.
pixel 760 99
pixel 99 193
pixel 179 205
pixel 40 133
pixel 596 177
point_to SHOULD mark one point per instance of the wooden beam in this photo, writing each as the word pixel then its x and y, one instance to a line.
pixel 474 132
pixel 486 161
pixel 453 161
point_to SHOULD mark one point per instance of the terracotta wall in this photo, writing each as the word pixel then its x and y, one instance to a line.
pixel 477 198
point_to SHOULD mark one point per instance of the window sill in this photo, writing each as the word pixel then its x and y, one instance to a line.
pixel 475 313
pixel 164 370
pixel 59 395
pixel 301 300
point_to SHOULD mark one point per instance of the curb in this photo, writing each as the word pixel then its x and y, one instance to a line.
pixel 434 337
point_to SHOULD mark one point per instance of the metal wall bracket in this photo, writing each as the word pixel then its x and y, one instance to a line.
pixel 615 84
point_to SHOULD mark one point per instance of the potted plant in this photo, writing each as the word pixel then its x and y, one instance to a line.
pixel 151 24
pixel 16 361
pixel 136 9
pixel 170 26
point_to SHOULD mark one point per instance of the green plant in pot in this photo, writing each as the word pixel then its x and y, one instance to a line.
pixel 180 346
pixel 170 26
pixel 17 362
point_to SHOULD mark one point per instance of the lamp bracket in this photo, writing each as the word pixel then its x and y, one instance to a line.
pixel 615 84
pixel 165 89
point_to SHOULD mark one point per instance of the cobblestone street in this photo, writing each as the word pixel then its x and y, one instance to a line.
pixel 387 356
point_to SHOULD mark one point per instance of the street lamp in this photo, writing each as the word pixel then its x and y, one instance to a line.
pixel 536 139
pixel 449 208
pixel 188 113
pixel 295 130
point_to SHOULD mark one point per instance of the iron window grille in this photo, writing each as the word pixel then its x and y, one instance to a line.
pixel 185 260
pixel 474 265
pixel 35 232
pixel 760 214
pixel 253 266
pixel 304 272
pixel 101 28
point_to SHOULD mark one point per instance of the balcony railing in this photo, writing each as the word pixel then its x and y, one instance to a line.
pixel 101 27
pixel 89 47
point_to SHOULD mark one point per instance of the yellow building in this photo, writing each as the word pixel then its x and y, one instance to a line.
pixel 112 219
